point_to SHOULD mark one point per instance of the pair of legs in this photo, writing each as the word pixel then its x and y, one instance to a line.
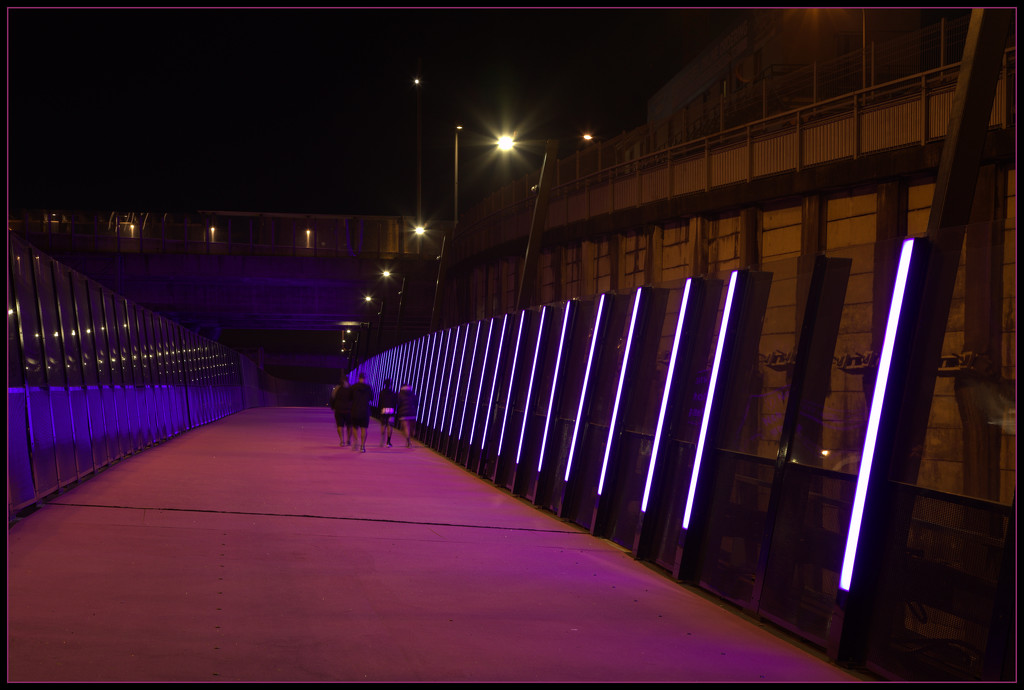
pixel 386 429
pixel 360 426
pixel 407 427
pixel 344 429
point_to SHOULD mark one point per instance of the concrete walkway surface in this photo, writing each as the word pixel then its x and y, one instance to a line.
pixel 257 549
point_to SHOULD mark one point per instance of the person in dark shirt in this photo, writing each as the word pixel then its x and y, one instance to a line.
pixel 387 401
pixel 341 403
pixel 407 404
pixel 362 394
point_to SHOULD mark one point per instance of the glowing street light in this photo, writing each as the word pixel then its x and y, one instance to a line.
pixel 506 142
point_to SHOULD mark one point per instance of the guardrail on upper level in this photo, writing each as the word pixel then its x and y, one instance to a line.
pixel 904 113
pixel 219 232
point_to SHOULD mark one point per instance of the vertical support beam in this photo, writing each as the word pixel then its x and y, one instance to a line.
pixel 699 247
pixel 750 256
pixel 982 381
pixel 588 268
pixel 537 226
pixel 955 191
pixel 653 264
pixel 915 355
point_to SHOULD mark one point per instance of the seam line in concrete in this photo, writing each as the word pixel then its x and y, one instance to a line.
pixel 324 517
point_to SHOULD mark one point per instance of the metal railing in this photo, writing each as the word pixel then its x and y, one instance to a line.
pixel 908 112
pixel 60 231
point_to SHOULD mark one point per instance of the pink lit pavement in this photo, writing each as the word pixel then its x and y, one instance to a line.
pixel 257 549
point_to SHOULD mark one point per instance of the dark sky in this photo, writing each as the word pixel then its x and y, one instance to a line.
pixel 314 111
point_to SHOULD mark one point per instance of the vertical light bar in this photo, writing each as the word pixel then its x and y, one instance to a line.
pixel 586 382
pixel 618 391
pixel 445 372
pixel 511 382
pixel 432 396
pixel 554 383
pixel 723 331
pixel 439 375
pixel 529 388
pixel 480 386
pixel 423 366
pixel 423 391
pixel 458 381
pixel 665 394
pixel 874 419
pixel 494 382
pixel 469 382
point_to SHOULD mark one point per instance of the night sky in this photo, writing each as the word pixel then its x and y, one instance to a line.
pixel 314 111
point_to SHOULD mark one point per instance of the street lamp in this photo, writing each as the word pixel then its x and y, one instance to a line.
pixel 456 206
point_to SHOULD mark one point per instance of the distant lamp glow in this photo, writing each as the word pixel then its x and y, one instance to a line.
pixel 419 230
pixel 386 274
pixel 587 137
pixel 367 298
pixel 506 143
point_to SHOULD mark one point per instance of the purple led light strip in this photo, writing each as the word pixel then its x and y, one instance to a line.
pixel 664 397
pixel 722 332
pixel 586 382
pixel 494 382
pixel 511 382
pixel 618 391
pixel 453 348
pixel 469 381
pixel 529 388
pixel 480 386
pixel 554 384
pixel 874 418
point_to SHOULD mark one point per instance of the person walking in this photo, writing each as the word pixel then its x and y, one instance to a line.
pixel 362 394
pixel 341 403
pixel 407 404
pixel 387 401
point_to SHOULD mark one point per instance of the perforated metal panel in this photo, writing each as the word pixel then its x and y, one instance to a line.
pixel 802 574
pixel 937 593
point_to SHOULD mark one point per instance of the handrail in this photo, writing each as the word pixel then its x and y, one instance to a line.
pixel 917 88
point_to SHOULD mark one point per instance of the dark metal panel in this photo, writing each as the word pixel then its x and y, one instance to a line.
pixel 56 380
pixel 20 489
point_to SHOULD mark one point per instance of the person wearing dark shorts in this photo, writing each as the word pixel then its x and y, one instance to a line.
pixel 407 404
pixel 387 401
pixel 362 394
pixel 341 403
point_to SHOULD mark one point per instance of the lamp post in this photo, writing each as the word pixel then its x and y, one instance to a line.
pixel 505 143
pixel 419 143
pixel 455 215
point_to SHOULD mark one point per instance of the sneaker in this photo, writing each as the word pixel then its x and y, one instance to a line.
pixel 362 450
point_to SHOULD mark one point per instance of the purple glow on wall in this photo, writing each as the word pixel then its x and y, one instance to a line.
pixel 511 382
pixel 452 349
pixel 669 377
pixel 458 381
pixel 494 382
pixel 529 388
pixel 702 439
pixel 875 416
pixel 586 386
pixel 618 391
pixel 554 383
pixel 480 386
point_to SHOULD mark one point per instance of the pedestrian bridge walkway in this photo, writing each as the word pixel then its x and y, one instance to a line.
pixel 256 549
